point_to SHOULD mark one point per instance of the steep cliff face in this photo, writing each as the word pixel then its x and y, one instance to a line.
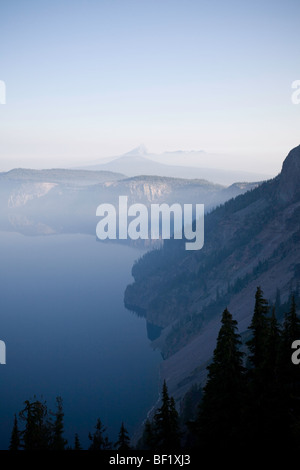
pixel 289 185
pixel 27 192
pixel 251 240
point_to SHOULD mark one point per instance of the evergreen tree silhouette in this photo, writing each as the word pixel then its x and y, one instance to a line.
pixel 98 440
pixel 77 445
pixel 166 424
pixel 269 365
pixel 258 328
pixel 15 436
pixel 123 442
pixel 289 375
pixel 58 441
pixel 290 333
pixel 38 427
pixel 267 413
pixel 219 418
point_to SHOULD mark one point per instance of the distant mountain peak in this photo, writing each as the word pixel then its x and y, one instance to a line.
pixel 139 151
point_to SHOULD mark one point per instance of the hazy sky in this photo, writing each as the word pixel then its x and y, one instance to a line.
pixel 92 79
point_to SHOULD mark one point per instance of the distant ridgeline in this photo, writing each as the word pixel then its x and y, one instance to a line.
pixel 2 352
pixel 46 202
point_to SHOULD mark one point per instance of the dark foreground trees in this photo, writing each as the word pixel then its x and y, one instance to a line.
pixel 163 432
pixel 42 429
pixel 99 441
pixel 38 428
pixel 123 442
pixel 250 402
pixel 219 418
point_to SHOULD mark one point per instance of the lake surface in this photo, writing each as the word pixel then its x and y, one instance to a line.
pixel 68 333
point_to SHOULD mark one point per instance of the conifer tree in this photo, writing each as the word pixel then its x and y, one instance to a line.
pixel 268 409
pixel 259 328
pixel 220 410
pixel 273 340
pixel 37 432
pixel 257 408
pixel 98 440
pixel 15 436
pixel 290 332
pixel 268 398
pixel 289 376
pixel 166 424
pixel 123 442
pixel 77 445
pixel 58 441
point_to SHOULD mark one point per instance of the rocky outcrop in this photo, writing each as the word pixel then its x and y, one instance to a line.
pixel 28 192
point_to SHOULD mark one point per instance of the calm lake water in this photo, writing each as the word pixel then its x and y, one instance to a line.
pixel 67 333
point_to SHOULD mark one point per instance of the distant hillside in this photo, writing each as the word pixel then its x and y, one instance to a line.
pixel 65 201
pixel 80 177
pixel 251 240
pixel 139 162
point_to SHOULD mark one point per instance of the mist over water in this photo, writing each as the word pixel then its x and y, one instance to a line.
pixel 68 333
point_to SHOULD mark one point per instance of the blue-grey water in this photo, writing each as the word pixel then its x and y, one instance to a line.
pixel 68 334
